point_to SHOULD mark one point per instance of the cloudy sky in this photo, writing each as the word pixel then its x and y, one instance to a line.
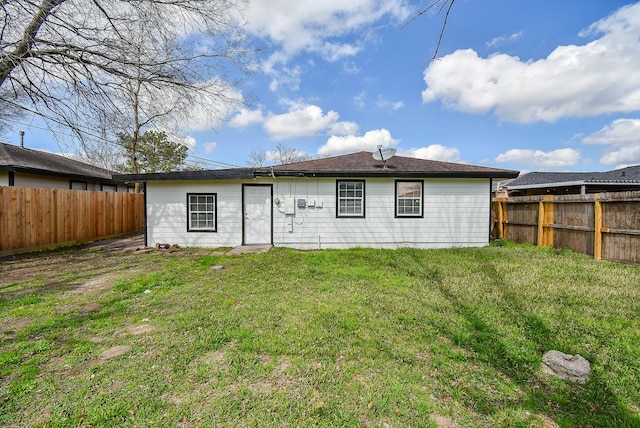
pixel 541 85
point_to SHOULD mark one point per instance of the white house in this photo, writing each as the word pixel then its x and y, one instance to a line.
pixel 338 202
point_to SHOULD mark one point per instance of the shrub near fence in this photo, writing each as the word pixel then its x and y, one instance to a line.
pixel 605 225
pixel 36 218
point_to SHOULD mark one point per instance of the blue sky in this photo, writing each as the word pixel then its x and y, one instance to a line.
pixel 541 85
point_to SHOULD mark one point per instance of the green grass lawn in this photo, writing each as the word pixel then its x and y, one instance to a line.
pixel 329 338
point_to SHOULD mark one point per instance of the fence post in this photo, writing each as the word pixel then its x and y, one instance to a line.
pixel 597 216
pixel 540 241
pixel 500 220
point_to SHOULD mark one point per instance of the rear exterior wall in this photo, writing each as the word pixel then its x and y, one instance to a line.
pixel 456 214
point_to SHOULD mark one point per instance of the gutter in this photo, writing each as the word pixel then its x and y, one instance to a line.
pixel 573 183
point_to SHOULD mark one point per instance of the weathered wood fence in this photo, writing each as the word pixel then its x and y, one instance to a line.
pixel 35 218
pixel 605 226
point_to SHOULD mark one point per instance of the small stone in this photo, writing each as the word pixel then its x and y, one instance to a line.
pixel 147 291
pixel 140 329
pixel 217 267
pixel 573 368
pixel 114 352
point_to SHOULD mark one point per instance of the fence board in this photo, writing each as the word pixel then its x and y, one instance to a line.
pixel 37 218
pixel 603 225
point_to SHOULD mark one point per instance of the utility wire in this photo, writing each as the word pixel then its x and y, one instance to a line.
pixel 196 160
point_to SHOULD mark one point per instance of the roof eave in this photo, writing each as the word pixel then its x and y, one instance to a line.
pixel 391 173
pixel 38 171
pixel 230 174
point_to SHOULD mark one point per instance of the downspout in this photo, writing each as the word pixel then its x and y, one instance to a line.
pixel 146 235
pixel 490 208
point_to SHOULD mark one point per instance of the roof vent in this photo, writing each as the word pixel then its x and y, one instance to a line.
pixel 21 133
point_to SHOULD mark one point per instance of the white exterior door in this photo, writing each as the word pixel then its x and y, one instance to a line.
pixel 257 214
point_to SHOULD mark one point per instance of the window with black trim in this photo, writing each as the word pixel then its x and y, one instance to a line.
pixel 409 198
pixel 201 212
pixel 78 185
pixel 350 199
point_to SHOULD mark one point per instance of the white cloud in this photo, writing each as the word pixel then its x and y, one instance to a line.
pixel 343 128
pixel 314 26
pixel 307 121
pixel 336 145
pixel 435 152
pixel 619 133
pixel 383 103
pixel 358 100
pixel 502 39
pixel 559 158
pixel 210 147
pixel 285 77
pixel 573 81
pixel 247 118
pixel 350 67
pixel 623 138
pixel 624 156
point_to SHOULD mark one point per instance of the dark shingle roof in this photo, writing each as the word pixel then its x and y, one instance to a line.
pixel 362 164
pixel 359 164
pixel 14 158
pixel 627 175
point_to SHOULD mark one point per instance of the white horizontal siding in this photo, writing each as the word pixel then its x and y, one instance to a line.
pixel 167 214
pixel 4 178
pixel 456 214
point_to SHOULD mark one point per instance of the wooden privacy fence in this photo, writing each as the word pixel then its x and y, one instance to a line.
pixel 605 226
pixel 35 218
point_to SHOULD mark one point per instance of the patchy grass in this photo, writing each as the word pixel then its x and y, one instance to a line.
pixel 329 338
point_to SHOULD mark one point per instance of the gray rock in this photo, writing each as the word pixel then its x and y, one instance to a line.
pixel 217 267
pixel 573 368
pixel 114 352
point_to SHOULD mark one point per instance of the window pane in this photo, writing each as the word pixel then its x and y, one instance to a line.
pixel 202 212
pixel 409 198
pixel 350 198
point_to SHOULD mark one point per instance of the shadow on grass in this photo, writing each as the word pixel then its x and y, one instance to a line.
pixel 593 404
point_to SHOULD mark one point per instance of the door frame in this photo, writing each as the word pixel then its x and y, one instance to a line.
pixel 270 186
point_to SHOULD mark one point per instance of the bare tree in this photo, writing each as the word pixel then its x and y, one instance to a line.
pixel 88 64
pixel 285 154
pixel 257 158
pixel 282 154
pixel 444 4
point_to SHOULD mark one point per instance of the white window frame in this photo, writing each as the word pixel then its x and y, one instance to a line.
pixel 411 206
pixel 350 198
pixel 207 208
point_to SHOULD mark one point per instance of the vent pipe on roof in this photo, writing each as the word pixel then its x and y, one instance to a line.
pixel 21 133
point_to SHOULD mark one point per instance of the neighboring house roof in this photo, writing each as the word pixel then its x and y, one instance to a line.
pixel 19 159
pixel 533 180
pixel 360 164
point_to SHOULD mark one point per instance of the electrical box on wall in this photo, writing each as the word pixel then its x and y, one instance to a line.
pixel 302 203
pixel 289 205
